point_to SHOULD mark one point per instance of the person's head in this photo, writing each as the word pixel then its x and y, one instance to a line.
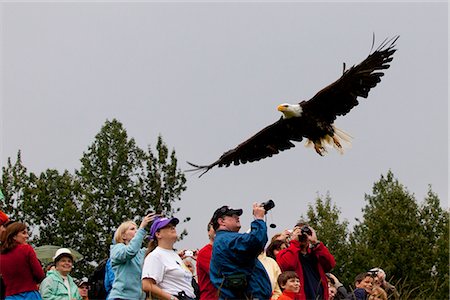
pixel 275 247
pixel 289 281
pixel 364 281
pixel 211 232
pixel 63 260
pixel 125 232
pixel 226 218
pixel 164 229
pixel 16 233
pixel 332 291
pixel 189 262
pixel 379 276
pixel 283 236
pixel 83 286
pixel 378 293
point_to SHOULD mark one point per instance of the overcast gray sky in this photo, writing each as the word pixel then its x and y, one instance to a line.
pixel 208 75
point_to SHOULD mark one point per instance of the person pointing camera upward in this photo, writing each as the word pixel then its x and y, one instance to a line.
pixel 234 268
pixel 310 259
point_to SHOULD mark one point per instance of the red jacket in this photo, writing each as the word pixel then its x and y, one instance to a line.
pixel 287 295
pixel 289 260
pixel 207 289
pixel 21 270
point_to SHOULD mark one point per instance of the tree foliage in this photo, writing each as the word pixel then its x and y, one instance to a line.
pixel 409 241
pixel 14 182
pixel 109 188
pixel 117 181
pixel 324 218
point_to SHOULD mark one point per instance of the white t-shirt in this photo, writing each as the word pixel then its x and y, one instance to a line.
pixel 168 270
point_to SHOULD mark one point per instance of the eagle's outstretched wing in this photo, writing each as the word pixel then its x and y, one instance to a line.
pixel 338 98
pixel 269 141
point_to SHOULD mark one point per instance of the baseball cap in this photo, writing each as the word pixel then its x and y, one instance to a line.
pixel 221 212
pixel 80 282
pixel 161 222
pixel 61 252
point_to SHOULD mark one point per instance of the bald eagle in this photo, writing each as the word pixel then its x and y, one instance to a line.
pixel 313 119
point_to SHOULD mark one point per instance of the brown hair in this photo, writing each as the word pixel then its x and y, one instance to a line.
pixel 285 276
pixel 8 242
pixel 274 245
pixel 360 277
pixel 151 246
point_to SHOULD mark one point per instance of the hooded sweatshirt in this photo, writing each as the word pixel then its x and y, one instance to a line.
pixel 53 287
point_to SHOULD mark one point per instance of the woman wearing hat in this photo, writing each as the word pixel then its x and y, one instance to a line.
pixel 164 274
pixel 59 285
pixel 19 266
pixel 127 256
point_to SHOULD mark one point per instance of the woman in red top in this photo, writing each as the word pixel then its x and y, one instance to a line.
pixel 19 266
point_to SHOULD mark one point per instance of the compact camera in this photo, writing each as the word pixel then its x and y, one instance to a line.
pixel 188 253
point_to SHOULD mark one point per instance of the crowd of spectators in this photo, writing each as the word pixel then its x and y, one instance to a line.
pixel 295 265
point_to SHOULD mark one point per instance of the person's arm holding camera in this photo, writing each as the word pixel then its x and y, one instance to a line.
pixel 326 259
pixel 287 258
pixel 340 289
pixel 258 211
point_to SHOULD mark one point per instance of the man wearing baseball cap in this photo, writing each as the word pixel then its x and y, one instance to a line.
pixel 234 268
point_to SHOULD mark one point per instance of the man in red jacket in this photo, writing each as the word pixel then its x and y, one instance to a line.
pixel 207 289
pixel 310 259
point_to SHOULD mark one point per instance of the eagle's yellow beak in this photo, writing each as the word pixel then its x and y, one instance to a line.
pixel 281 108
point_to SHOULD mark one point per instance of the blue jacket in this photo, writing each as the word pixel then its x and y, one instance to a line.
pixel 235 252
pixel 126 262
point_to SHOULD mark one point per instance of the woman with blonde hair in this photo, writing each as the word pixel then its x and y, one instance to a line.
pixel 19 266
pixel 127 256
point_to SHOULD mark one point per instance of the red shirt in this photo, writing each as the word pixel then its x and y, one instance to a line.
pixel 288 259
pixel 287 295
pixel 207 289
pixel 21 270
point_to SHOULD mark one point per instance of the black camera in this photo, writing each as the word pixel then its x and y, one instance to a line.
pixel 305 231
pixel 268 205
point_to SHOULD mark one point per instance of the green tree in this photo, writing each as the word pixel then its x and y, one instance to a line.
pixel 108 179
pixel 323 216
pixel 14 183
pixel 435 229
pixel 391 236
pixel 119 181
pixel 54 209
pixel 162 180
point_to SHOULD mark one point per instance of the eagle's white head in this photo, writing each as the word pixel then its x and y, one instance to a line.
pixel 290 110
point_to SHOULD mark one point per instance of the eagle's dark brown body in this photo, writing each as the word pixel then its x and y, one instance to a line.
pixel 313 119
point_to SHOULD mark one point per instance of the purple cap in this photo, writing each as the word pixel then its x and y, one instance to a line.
pixel 159 223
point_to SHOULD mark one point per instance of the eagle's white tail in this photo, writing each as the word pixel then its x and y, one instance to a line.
pixel 339 141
